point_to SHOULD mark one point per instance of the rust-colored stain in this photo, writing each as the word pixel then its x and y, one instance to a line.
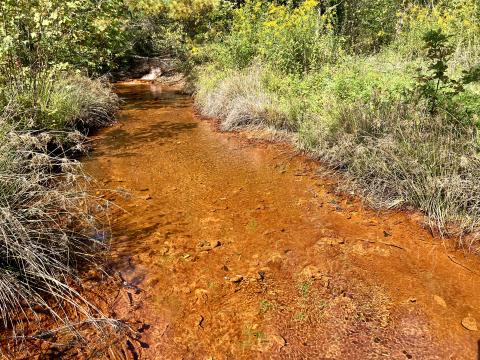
pixel 242 251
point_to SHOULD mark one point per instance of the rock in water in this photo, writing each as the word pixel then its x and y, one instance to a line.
pixel 470 323
pixel 236 279
pixel 439 301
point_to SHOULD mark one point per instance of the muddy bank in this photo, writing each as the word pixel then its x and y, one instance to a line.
pixel 234 249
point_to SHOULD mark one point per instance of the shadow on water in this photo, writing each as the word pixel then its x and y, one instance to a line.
pixel 129 139
pixel 124 143
pixel 130 242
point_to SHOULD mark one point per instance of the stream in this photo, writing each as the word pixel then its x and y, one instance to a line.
pixel 243 249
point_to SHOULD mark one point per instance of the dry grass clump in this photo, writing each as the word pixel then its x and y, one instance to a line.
pixel 238 100
pixel 47 230
pixel 89 103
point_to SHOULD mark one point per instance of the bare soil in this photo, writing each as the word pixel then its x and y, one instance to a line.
pixel 239 249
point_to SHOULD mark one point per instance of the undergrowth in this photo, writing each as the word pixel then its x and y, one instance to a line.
pixel 400 121
pixel 49 230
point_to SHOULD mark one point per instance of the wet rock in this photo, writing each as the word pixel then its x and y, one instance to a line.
pixel 147 68
pixel 207 246
pixel 312 272
pixel 204 246
pixel 199 319
pixel 152 253
pixel 215 243
pixel 201 296
pixel 276 260
pixel 278 340
pixel 326 232
pixel 439 300
pixel 164 250
pixel 186 290
pixel 330 241
pixel 469 323
pixel 236 279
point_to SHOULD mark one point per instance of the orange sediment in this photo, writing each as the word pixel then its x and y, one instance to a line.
pixel 241 250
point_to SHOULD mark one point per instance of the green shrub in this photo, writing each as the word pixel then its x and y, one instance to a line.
pixel 85 34
pixel 53 100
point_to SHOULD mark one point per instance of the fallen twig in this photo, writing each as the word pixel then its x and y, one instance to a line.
pixel 452 259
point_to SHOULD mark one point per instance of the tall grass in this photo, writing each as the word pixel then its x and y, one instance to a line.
pixel 398 154
pixel 49 229
pixel 239 100
pixel 360 112
pixel 54 100
pixel 357 118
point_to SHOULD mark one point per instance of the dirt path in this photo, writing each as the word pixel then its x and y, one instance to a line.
pixel 241 251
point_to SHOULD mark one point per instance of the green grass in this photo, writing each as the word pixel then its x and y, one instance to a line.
pixel 53 100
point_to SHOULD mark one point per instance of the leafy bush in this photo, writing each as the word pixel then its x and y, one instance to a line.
pixel 435 85
pixel 86 34
pixel 175 29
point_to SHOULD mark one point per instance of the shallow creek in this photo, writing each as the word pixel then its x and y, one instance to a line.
pixel 241 249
